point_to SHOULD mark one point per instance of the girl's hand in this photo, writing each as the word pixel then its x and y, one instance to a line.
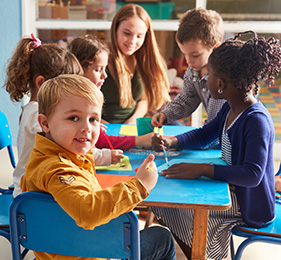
pixel 160 142
pixel 103 127
pixel 144 140
pixel 147 173
pixel 188 171
pixel 116 156
pixel 155 118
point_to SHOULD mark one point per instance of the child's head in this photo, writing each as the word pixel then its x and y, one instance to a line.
pixel 133 35
pixel 70 112
pixel 199 32
pixel 32 63
pixel 92 54
pixel 244 63
pixel 130 30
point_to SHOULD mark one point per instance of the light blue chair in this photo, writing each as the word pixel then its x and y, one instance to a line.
pixel 270 233
pixel 5 193
pixel 38 223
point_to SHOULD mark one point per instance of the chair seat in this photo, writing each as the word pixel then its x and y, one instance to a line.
pixel 272 229
pixel 270 233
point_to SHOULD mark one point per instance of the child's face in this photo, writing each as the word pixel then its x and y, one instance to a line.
pixel 195 53
pixel 131 35
pixel 96 71
pixel 212 82
pixel 74 124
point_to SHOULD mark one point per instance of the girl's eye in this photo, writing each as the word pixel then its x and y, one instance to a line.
pixel 73 118
pixel 195 56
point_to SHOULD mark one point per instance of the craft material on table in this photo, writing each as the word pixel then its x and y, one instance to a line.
pixel 108 180
pixel 132 130
pixel 147 152
pixel 213 161
pixel 124 165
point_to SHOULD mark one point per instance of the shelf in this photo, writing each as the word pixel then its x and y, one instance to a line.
pixel 157 25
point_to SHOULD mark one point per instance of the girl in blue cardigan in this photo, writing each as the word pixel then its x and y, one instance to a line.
pixel 246 133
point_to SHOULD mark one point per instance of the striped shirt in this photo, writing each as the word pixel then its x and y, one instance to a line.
pixel 194 93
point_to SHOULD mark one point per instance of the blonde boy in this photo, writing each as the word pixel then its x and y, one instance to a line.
pixel 62 163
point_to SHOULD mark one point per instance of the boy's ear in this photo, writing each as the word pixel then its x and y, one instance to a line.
pixel 216 45
pixel 43 122
pixel 39 81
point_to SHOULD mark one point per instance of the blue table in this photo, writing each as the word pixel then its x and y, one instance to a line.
pixel 201 195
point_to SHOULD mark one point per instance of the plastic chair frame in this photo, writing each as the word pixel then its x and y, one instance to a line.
pixel 38 223
pixel 253 235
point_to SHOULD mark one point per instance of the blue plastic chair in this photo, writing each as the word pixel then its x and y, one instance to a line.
pixel 6 137
pixel 38 223
pixel 270 233
pixel 5 194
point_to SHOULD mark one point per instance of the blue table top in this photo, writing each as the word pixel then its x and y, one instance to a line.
pixel 200 193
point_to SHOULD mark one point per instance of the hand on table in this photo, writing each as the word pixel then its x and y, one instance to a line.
pixel 147 173
pixel 188 171
pixel 116 156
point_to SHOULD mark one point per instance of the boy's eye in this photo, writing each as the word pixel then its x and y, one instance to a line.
pixel 73 118
pixel 93 120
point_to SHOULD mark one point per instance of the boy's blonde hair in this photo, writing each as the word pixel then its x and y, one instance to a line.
pixel 201 24
pixel 53 90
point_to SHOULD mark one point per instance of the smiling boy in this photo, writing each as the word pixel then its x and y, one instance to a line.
pixel 62 164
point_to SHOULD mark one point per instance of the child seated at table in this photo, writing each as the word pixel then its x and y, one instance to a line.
pixel 92 53
pixel 62 164
pixel 246 133
pixel 31 64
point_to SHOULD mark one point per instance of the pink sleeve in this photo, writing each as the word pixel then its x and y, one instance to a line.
pixel 118 142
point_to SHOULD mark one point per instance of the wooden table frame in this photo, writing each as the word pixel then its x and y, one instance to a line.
pixel 206 196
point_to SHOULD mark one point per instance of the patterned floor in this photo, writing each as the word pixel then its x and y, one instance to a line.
pixel 270 96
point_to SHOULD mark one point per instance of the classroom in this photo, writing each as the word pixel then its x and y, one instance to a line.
pixel 62 21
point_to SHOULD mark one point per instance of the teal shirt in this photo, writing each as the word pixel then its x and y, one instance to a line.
pixel 112 111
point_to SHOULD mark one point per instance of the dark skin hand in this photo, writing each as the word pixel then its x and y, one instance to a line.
pixel 189 171
pixel 181 170
pixel 160 142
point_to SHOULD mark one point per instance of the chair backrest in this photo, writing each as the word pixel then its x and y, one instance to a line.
pixel 6 137
pixel 38 223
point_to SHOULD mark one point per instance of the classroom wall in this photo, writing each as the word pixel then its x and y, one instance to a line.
pixel 10 28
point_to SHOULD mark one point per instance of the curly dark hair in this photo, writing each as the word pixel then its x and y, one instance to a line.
pixel 244 63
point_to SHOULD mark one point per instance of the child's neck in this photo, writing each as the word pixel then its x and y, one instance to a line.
pixel 203 71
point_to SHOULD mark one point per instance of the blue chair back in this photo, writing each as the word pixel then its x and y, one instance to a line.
pixel 6 137
pixel 38 223
pixel 270 233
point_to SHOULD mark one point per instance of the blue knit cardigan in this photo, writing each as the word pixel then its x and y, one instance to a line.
pixel 252 169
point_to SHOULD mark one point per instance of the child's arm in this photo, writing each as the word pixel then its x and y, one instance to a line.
pixel 102 156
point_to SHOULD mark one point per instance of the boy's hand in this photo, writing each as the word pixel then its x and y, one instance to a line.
pixel 160 142
pixel 155 118
pixel 116 156
pixel 147 173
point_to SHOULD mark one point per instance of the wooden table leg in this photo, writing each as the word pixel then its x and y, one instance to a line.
pixel 199 239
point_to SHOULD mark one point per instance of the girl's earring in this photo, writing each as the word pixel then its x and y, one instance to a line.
pixel 220 91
